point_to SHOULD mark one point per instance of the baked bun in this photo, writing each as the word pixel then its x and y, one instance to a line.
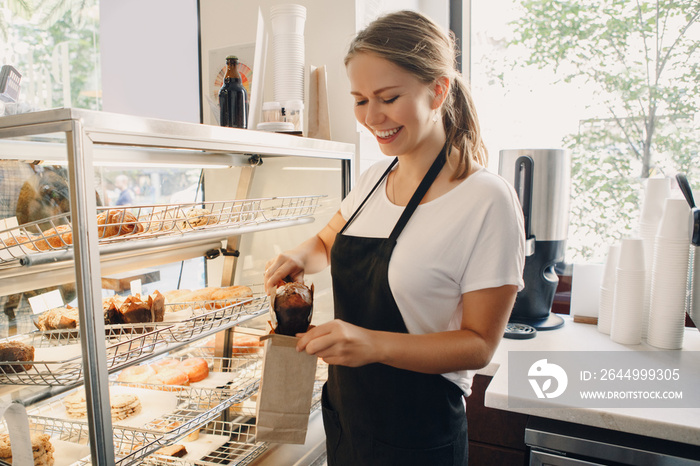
pixel 60 318
pixel 158 221
pixel 243 343
pixel 196 217
pixel 174 376
pixel 117 223
pixel 58 237
pixel 293 306
pixel 16 351
pixel 197 369
pixel 42 450
pixel 19 240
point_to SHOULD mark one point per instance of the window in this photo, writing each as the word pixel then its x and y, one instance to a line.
pixel 587 77
pixel 54 44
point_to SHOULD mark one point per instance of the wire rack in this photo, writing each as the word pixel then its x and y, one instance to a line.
pixel 203 320
pixel 117 224
pixel 195 407
pixel 199 317
pixel 125 342
pixel 241 448
pixel 121 348
pixel 77 433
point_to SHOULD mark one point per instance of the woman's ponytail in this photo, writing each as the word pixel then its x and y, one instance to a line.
pixel 462 129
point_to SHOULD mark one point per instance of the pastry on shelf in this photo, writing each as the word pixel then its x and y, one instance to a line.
pixel 123 405
pixel 196 217
pixel 158 222
pixel 244 343
pixel 42 450
pixel 134 309
pixel 54 238
pixel 177 451
pixel 212 297
pixel 117 222
pixel 11 351
pixel 60 318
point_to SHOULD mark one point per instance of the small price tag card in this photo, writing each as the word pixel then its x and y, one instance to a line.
pixel 46 301
pixel 6 224
pixel 135 287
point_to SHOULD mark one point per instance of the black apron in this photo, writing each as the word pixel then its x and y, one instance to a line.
pixel 377 414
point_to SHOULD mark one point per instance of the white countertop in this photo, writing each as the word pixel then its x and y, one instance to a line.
pixel 677 424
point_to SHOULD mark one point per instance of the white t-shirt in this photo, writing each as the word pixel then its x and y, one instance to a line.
pixel 470 238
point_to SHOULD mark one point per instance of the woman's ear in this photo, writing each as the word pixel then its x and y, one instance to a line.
pixel 440 88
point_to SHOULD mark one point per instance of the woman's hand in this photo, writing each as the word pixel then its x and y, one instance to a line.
pixel 341 343
pixel 285 265
pixel 311 256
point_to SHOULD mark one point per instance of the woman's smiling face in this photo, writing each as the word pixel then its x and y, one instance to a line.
pixel 393 104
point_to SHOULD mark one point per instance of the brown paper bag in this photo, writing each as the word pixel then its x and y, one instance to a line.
pixel 286 389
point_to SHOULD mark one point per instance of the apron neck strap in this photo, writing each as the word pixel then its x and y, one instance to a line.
pixel 357 211
pixel 420 192
pixel 418 196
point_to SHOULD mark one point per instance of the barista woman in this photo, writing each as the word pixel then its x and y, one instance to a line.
pixel 426 255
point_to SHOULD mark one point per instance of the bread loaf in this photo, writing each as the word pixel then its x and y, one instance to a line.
pixel 232 293
pixel 117 223
pixel 15 351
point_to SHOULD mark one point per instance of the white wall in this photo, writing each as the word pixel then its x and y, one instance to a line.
pixel 149 58
pixel 330 25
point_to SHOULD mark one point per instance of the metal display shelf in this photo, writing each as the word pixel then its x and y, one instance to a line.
pixel 194 406
pixel 150 226
pixel 197 144
pixel 126 343
pixel 83 140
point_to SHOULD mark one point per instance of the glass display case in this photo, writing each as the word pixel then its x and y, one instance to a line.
pixel 128 244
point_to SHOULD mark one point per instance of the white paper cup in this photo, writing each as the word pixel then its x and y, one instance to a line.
pixel 605 309
pixel 611 261
pixel 626 326
pixel 631 254
pixel 655 193
pixel 674 221
pixel 287 19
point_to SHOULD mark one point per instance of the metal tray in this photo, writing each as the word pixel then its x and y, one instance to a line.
pixel 121 348
pixel 194 407
pixel 155 221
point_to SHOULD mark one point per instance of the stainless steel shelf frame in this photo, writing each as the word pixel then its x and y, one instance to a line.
pixel 85 138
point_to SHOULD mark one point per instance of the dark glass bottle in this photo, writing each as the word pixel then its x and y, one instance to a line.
pixel 233 97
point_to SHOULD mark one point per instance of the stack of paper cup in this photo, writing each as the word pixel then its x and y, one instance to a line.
pixel 626 327
pixel 656 191
pixel 669 277
pixel 607 290
pixel 288 51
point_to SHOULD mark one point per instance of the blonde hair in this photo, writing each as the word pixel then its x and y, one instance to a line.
pixel 415 43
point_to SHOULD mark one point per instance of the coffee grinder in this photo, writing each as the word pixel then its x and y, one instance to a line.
pixel 542 179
